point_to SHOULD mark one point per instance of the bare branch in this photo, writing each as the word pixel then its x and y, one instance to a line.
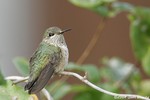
pixel 83 79
pixel 124 96
pixel 92 42
pixel 16 78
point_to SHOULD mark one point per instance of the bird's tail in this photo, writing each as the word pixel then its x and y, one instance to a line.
pixel 34 86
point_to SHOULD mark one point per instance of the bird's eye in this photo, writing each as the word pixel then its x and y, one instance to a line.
pixel 51 34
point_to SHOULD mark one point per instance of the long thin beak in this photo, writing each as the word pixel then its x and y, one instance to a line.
pixel 63 31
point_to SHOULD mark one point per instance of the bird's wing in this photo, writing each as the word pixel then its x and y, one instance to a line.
pixel 42 66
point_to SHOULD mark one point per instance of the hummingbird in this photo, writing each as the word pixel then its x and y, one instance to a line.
pixel 50 57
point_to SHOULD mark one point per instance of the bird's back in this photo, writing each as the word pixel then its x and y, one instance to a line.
pixel 42 66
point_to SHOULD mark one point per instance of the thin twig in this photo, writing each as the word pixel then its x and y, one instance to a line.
pixel 46 94
pixel 16 78
pixel 124 96
pixel 92 42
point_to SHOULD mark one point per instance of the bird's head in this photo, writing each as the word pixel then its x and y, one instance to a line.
pixel 54 35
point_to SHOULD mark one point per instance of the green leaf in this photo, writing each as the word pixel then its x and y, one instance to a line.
pixel 119 70
pixel 118 7
pixel 122 6
pixel 2 80
pixel 79 88
pixel 90 3
pixel 106 8
pixel 59 89
pixel 103 10
pixel 111 10
pixel 109 87
pixel 140 36
pixel 135 80
pixel 92 94
pixel 144 88
pixel 9 91
pixel 146 62
pixel 108 97
pixel 22 65
pixel 86 3
pixel 62 91
pixel 72 66
pixel 105 73
pixel 88 95
pixel 99 6
pixel 92 73
pixel 139 31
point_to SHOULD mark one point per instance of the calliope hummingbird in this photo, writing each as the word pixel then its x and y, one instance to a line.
pixel 50 57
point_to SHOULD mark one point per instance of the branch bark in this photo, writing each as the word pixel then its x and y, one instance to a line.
pixel 124 96
pixel 92 42
pixel 83 79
